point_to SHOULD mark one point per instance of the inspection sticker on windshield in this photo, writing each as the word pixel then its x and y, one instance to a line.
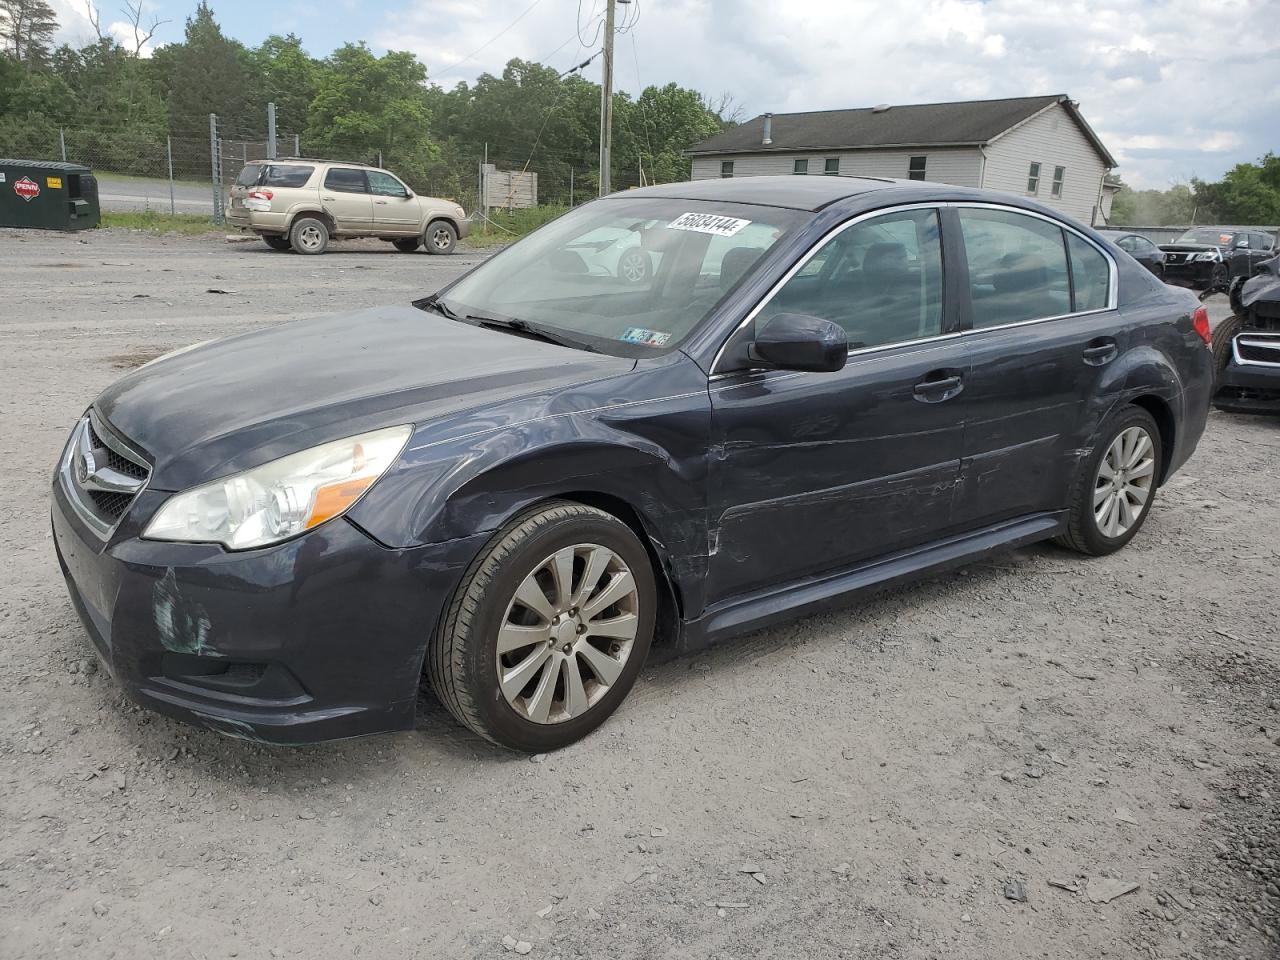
pixel 649 338
pixel 708 223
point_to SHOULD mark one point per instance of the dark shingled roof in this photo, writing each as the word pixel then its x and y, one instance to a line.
pixel 913 125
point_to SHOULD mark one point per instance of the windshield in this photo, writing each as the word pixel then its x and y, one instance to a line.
pixel 1213 236
pixel 627 276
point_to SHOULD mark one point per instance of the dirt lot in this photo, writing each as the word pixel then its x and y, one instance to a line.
pixel 863 784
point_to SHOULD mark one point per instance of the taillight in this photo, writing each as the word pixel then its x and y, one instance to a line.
pixel 1200 323
pixel 260 194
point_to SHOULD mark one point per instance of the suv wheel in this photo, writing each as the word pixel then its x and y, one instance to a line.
pixel 1116 484
pixel 441 237
pixel 407 245
pixel 276 243
pixel 1223 334
pixel 548 630
pixel 309 235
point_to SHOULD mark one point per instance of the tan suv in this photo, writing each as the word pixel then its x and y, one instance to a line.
pixel 303 204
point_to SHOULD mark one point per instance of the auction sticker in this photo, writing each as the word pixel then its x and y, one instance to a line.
pixel 26 188
pixel 648 338
pixel 708 223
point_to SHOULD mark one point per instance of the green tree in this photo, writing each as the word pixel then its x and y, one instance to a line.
pixel 1249 193
pixel 287 76
pixel 670 120
pixel 29 102
pixel 26 30
pixel 207 73
pixel 366 105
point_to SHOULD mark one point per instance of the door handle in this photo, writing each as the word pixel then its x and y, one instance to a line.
pixel 329 199
pixel 383 202
pixel 939 385
pixel 1100 351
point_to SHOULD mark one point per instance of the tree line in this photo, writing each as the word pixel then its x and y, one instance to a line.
pixel 352 105
pixel 1247 194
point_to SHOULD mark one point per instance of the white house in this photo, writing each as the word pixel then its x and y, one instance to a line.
pixel 1033 146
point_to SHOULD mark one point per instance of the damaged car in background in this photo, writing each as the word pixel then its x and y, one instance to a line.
pixel 517 486
pixel 1209 258
pixel 1246 346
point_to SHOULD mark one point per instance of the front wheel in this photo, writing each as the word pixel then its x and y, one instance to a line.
pixel 548 630
pixel 1223 336
pixel 634 266
pixel 441 237
pixel 1116 484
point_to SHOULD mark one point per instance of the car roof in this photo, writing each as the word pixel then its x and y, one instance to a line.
pixel 796 192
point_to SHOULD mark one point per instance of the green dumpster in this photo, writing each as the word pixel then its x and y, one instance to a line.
pixel 48 195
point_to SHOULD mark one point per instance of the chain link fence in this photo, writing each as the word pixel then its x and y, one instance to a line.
pixel 141 171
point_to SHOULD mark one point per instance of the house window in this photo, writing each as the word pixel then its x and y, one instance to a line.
pixel 1033 179
pixel 726 168
pixel 1059 174
pixel 915 168
pixel 801 167
pixel 832 166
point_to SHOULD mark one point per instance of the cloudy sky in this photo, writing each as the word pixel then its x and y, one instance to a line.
pixel 1175 88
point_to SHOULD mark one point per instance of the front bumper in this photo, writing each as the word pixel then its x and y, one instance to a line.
pixel 464 229
pixel 318 638
pixel 1250 382
pixel 1194 273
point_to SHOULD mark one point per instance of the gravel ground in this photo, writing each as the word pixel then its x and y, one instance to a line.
pixel 877 782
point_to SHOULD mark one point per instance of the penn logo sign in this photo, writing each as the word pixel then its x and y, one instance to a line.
pixel 708 223
pixel 26 188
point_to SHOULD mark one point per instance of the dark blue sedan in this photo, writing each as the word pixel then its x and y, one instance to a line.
pixel 521 484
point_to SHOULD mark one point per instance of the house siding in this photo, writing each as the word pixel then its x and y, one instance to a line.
pixel 1051 139
pixel 961 166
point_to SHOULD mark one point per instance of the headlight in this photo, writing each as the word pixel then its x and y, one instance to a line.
pixel 1209 255
pixel 459 213
pixel 280 499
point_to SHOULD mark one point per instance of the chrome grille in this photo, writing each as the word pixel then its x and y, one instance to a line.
pixel 101 474
pixel 1257 349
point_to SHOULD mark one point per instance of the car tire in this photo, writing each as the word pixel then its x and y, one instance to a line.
pixel 1223 334
pixel 440 237
pixel 1128 446
pixel 634 266
pixel 407 245
pixel 277 243
pixel 506 670
pixel 1220 278
pixel 309 235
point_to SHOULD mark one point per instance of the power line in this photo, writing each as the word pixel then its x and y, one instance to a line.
pixel 483 46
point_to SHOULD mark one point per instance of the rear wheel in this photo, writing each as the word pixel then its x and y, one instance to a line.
pixel 309 235
pixel 407 245
pixel 1219 278
pixel 548 629
pixel 276 243
pixel 1116 484
pixel 441 237
pixel 633 265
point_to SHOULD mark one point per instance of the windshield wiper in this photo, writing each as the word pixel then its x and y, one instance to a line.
pixel 434 302
pixel 524 328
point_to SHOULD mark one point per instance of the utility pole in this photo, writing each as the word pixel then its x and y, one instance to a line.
pixel 606 99
pixel 271 131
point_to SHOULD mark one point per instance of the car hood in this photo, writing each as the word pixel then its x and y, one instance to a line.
pixel 239 402
pixel 1187 247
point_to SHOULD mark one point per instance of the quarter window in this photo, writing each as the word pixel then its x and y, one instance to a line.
pixel 1090 275
pixel 1017 267
pixel 345 180
pixel 831 166
pixel 726 168
pixel 1033 179
pixel 915 168
pixel 880 279
pixel 286 175
pixel 1059 175
pixel 385 185
pixel 800 167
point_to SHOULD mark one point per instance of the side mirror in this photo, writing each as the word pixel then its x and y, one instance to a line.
pixel 794 341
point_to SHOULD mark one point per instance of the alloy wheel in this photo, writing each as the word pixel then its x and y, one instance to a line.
pixel 567 633
pixel 1122 488
pixel 634 268
pixel 310 238
pixel 441 238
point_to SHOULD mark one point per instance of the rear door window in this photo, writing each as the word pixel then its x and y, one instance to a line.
pixel 1090 275
pixel 1017 267
pixel 346 180
pixel 287 175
